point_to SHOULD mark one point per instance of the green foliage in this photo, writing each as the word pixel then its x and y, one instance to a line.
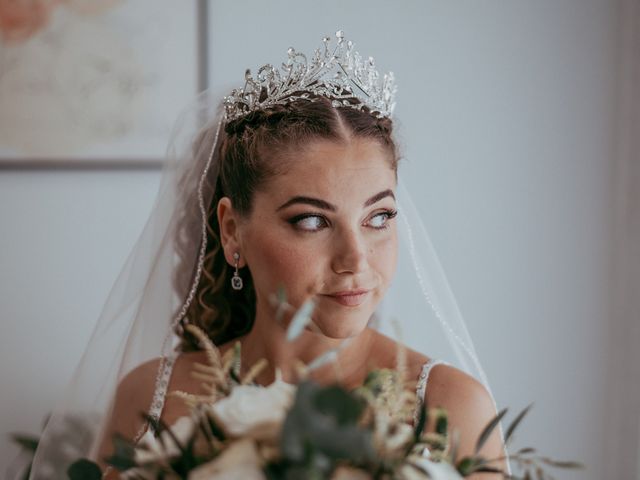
pixel 72 434
pixel 512 427
pixel 378 380
pixel 300 320
pixel 420 425
pixel 123 456
pixel 26 442
pixel 525 458
pixel 84 469
pixel 442 422
pixel 326 427
pixel 321 429
pixel 491 426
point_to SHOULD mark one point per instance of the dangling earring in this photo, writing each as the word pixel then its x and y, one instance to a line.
pixel 236 280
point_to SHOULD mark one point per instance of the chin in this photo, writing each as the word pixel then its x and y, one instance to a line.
pixel 339 328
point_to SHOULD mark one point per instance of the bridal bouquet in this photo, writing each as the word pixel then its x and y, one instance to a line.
pixel 240 430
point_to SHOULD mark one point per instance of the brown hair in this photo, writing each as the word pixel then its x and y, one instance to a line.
pixel 249 152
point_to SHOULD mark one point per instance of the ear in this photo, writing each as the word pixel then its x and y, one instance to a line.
pixel 229 222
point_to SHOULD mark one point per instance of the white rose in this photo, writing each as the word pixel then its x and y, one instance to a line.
pixel 436 470
pixel 150 448
pixel 255 411
pixel 238 460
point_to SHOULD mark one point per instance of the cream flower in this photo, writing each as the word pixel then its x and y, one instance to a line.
pixel 150 449
pixel 436 470
pixel 239 460
pixel 255 411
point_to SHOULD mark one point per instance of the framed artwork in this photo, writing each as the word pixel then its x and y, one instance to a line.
pixel 87 82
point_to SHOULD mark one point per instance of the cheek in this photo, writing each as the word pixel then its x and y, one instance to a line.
pixel 384 258
pixel 277 259
pixel 276 262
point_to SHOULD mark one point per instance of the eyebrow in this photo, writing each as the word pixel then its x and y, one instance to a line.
pixel 316 202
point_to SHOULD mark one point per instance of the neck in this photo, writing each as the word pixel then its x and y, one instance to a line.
pixel 267 339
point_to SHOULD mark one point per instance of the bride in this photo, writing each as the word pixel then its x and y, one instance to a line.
pixel 288 190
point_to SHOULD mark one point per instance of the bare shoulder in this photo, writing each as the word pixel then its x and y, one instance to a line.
pixel 447 387
pixel 387 348
pixel 386 351
pixel 450 387
pixel 469 405
pixel 137 386
pixel 133 397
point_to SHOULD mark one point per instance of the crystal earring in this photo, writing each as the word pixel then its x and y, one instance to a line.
pixel 236 280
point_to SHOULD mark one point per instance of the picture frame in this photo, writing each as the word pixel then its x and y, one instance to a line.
pixel 95 84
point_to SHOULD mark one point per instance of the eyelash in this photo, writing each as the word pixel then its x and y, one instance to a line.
pixel 298 218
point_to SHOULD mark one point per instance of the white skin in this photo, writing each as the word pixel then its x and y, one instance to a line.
pixel 324 226
pixel 312 251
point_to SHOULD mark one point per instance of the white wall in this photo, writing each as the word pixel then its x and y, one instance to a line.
pixel 506 115
pixel 623 387
pixel 64 238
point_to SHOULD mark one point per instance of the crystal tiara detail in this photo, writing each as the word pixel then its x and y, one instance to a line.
pixel 338 73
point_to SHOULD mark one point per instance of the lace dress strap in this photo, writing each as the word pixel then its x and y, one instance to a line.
pixel 157 403
pixel 421 386
pixel 160 391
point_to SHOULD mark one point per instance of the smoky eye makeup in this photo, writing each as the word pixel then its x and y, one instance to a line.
pixel 313 222
pixel 308 222
pixel 385 216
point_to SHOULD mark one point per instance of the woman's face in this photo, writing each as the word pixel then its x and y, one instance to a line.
pixel 325 229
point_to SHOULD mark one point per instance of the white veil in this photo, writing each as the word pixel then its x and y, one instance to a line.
pixel 157 283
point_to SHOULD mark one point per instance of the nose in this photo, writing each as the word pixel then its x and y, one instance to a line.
pixel 349 252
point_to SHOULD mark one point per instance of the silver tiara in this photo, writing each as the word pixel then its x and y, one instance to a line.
pixel 339 74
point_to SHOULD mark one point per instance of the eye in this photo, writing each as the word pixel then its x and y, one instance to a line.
pixel 380 220
pixel 308 222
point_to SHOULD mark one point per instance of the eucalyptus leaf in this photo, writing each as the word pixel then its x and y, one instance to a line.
pixel 377 380
pixel 484 436
pixel 123 457
pixel 215 429
pixel 422 421
pixel 340 404
pixel 525 450
pixel 29 443
pixel 328 356
pixel 511 429
pixel 281 303
pixel 154 424
pixel 442 421
pixel 322 424
pixel 350 443
pixel 488 469
pixel 300 320
pixel 562 464
pixel 320 361
pixel 84 469
pixel 468 465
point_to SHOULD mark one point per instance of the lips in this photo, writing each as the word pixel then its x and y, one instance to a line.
pixel 349 298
